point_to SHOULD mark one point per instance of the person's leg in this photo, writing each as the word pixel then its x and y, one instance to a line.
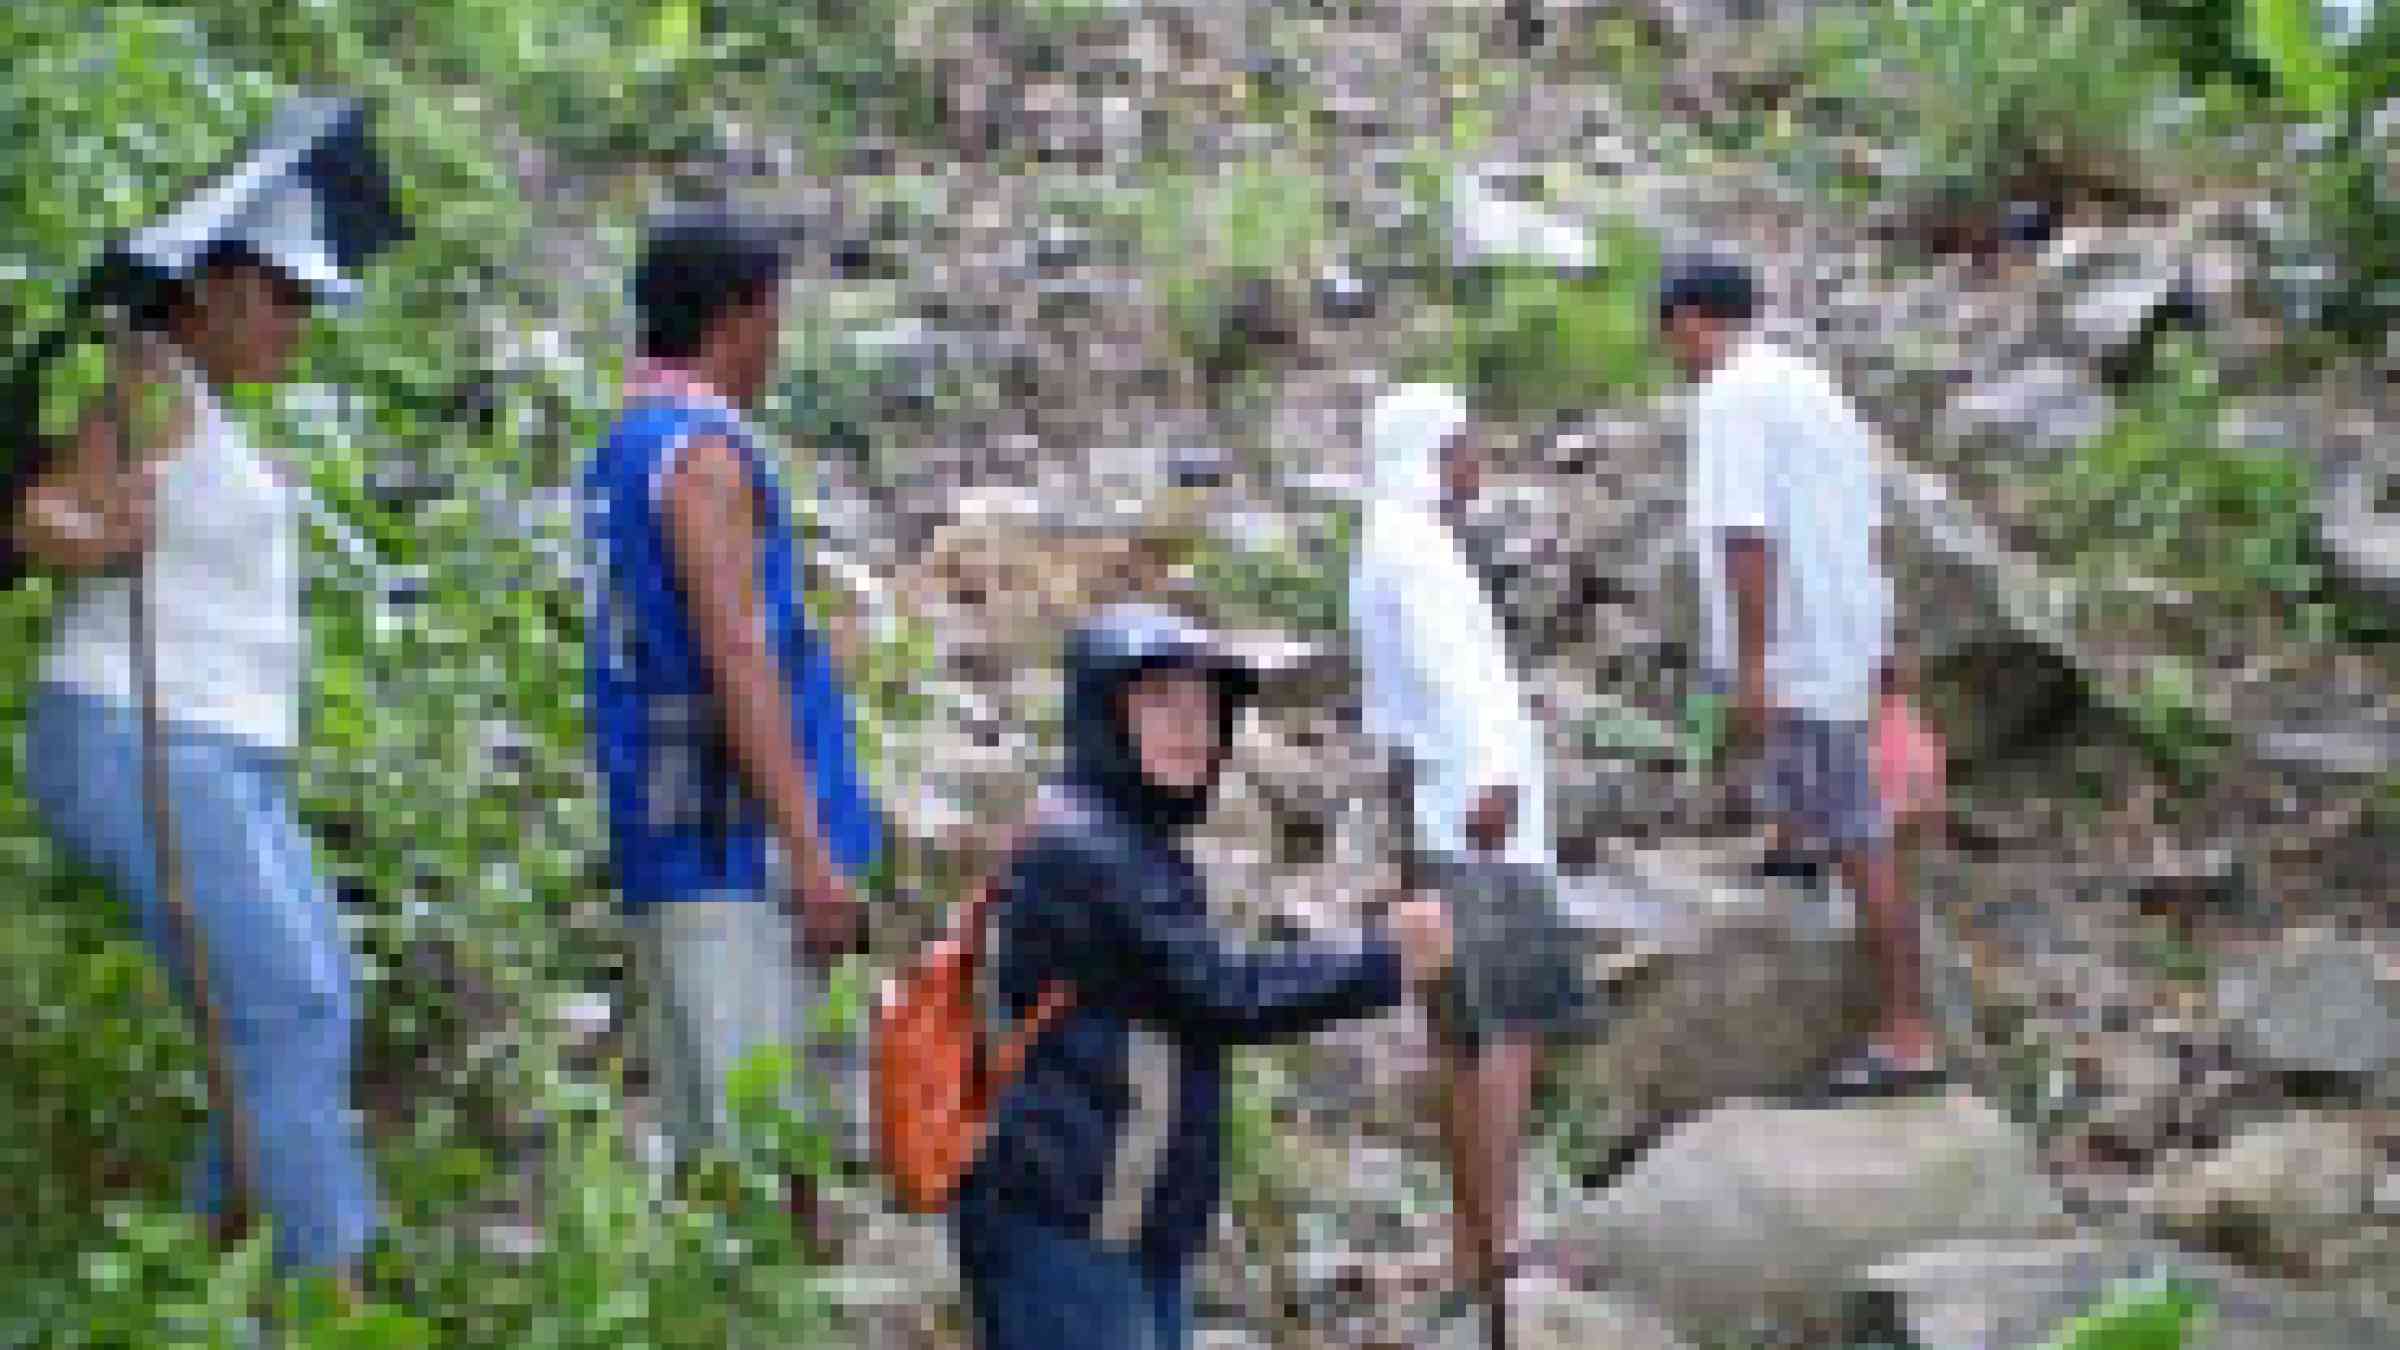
pixel 1902 1032
pixel 1033 1287
pixel 1504 1090
pixel 1464 1152
pixel 1488 1093
pixel 1171 1308
pixel 1844 806
pixel 278 973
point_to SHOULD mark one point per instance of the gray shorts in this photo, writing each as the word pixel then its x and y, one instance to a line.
pixel 721 983
pixel 1817 778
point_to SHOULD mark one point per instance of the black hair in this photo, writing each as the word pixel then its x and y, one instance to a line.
pixel 1717 287
pixel 696 266
pixel 150 304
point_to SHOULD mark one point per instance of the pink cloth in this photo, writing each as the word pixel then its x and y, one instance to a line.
pixel 649 378
pixel 1911 763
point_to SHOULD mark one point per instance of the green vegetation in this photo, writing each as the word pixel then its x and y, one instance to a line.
pixel 1220 248
pixel 2159 495
pixel 2143 1315
pixel 1991 99
pixel 2344 93
pixel 1305 587
pixel 1533 341
pixel 445 772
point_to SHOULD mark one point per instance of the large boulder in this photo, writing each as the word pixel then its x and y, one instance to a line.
pixel 2318 1003
pixel 1760 1217
pixel 2288 1194
pixel 1726 991
pixel 1554 1317
pixel 1983 1295
pixel 2358 521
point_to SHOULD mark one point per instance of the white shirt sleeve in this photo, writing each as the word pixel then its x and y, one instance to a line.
pixel 1438 681
pixel 1729 461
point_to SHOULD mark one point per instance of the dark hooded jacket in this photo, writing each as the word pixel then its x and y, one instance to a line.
pixel 1115 1129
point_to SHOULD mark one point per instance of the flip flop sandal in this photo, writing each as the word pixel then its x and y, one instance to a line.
pixel 1872 1075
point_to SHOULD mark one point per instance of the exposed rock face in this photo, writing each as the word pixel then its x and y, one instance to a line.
pixel 2287 1194
pixel 2318 1003
pixel 1982 1295
pixel 1745 993
pixel 1752 1215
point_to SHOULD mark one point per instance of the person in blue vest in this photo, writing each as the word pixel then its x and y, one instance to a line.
pixel 740 825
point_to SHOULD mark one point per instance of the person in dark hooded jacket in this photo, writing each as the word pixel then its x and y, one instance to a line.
pixel 1102 1169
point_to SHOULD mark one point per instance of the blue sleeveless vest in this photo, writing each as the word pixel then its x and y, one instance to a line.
pixel 683 822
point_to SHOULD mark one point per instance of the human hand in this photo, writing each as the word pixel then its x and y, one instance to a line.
pixel 831 917
pixel 1491 819
pixel 1421 927
pixel 128 511
pixel 1754 711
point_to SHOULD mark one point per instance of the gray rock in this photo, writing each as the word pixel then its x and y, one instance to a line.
pixel 2048 405
pixel 1490 225
pixel 2358 522
pixel 1753 1214
pixel 1983 1295
pixel 2315 1002
pixel 1553 1317
pixel 1741 992
pixel 2293 1185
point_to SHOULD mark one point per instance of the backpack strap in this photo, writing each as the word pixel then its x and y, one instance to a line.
pixel 1008 1059
pixel 1005 1049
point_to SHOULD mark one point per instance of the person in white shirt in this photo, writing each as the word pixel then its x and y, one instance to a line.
pixel 1784 509
pixel 208 524
pixel 1437 690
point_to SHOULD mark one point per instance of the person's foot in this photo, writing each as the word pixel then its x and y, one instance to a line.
pixel 1792 865
pixel 1878 1072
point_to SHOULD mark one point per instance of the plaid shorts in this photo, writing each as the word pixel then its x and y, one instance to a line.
pixel 1818 778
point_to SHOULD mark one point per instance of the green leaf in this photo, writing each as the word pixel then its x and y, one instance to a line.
pixel 674 29
pixel 2288 35
pixel 2149 1315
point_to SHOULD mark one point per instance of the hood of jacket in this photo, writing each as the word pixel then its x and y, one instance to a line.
pixel 1406 433
pixel 1105 655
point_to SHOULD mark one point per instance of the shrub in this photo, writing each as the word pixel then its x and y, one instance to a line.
pixel 2346 92
pixel 2159 495
pixel 1225 249
pixel 1531 340
pixel 1994 100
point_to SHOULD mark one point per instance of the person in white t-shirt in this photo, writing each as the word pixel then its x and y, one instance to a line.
pixel 1784 509
pixel 1438 692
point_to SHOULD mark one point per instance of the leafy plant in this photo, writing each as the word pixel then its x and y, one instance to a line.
pixel 1532 340
pixel 2161 496
pixel 2208 39
pixel 2143 1315
pixel 2343 92
pixel 1222 246
pixel 1993 99
pixel 1307 587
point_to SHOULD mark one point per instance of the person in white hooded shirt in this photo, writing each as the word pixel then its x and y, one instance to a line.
pixel 1437 690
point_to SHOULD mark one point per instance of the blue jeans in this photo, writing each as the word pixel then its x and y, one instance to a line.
pixel 278 969
pixel 1031 1286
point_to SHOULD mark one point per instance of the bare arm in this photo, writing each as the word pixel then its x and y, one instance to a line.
pixel 83 513
pixel 1750 579
pixel 712 527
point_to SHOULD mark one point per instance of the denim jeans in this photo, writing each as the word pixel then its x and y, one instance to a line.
pixel 1031 1286
pixel 278 968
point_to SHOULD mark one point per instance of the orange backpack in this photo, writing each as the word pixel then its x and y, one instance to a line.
pixel 935 1077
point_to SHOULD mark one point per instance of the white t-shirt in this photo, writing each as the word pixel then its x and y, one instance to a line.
pixel 225 593
pixel 1776 449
